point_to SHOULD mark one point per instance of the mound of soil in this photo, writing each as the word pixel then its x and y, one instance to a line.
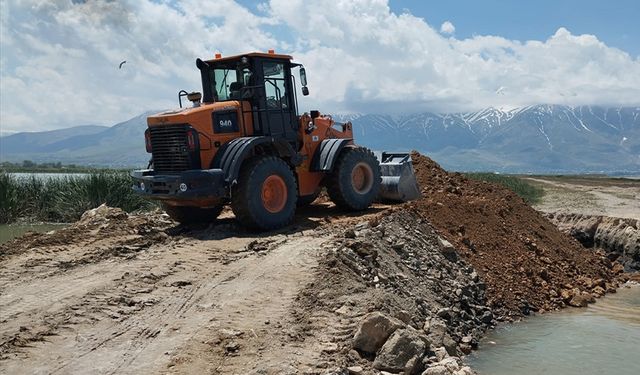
pixel 527 263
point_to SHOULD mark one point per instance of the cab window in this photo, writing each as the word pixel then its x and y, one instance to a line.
pixel 274 85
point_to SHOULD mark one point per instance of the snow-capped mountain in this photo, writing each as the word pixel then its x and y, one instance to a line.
pixel 540 139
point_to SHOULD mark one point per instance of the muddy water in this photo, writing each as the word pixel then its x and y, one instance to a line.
pixel 8 232
pixel 601 339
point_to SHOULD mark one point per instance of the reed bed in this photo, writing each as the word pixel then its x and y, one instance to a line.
pixel 65 198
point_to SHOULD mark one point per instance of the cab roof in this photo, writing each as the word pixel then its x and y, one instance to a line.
pixel 252 54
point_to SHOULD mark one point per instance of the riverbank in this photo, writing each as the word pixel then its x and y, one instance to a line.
pixel 63 199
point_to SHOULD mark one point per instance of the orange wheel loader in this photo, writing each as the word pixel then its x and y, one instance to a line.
pixel 243 143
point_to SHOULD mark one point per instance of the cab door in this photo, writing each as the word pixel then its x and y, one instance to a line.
pixel 278 115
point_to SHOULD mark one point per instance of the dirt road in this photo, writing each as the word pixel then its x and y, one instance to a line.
pixel 113 297
pixel 590 196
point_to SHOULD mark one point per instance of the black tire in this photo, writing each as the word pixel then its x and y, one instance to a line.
pixel 341 185
pixel 248 201
pixel 192 215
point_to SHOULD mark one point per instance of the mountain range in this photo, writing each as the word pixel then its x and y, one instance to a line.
pixel 533 139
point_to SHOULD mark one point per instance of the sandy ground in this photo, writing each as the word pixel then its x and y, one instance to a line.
pixel 127 299
pixel 590 196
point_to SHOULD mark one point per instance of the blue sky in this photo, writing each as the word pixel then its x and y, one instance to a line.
pixel 59 59
pixel 615 22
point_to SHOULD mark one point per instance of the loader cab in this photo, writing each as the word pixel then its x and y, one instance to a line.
pixel 264 81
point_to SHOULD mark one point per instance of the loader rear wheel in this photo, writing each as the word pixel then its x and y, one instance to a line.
pixel 192 215
pixel 265 196
pixel 355 180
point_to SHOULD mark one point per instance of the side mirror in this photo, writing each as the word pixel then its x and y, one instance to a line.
pixel 303 76
pixel 303 80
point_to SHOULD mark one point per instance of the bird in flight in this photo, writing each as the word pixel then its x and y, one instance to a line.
pixel 122 63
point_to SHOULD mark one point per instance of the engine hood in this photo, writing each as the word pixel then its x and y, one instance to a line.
pixel 183 115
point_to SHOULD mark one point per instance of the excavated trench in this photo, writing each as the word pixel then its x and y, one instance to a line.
pixel 619 238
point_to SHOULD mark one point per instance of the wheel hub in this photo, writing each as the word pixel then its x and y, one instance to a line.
pixel 274 193
pixel 362 178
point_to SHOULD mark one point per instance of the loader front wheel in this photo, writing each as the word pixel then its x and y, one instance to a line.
pixel 265 196
pixel 192 215
pixel 355 180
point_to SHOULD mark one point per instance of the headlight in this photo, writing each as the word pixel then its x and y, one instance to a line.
pixel 183 187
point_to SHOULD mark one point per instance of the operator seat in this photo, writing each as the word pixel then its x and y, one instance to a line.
pixel 236 90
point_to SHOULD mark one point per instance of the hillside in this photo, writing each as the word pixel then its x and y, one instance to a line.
pixel 534 139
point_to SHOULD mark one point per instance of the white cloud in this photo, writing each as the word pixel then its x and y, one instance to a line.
pixel 59 61
pixel 447 28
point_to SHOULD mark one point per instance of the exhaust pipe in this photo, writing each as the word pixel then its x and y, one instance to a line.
pixel 398 179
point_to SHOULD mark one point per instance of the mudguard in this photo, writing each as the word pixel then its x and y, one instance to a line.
pixel 327 154
pixel 233 153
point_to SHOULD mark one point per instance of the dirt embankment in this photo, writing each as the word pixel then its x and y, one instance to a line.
pixel 618 237
pixel 405 288
pixel 527 263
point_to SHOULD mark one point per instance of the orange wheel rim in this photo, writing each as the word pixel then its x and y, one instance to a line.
pixel 274 193
pixel 362 178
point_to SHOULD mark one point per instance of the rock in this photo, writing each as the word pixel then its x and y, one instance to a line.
pixel 102 213
pixel 450 345
pixel 230 333
pixel 374 330
pixel 349 233
pixel 566 294
pixel 402 351
pixel 436 370
pixel 362 248
pixel 581 299
pixel 440 353
pixel 329 347
pixel 355 370
pixel 232 347
pixel 447 249
pixel 404 316
pixel 444 313
pixel 426 326
pixel 451 363
pixel 438 336
pixel 598 291
pixel 466 370
pixel 487 317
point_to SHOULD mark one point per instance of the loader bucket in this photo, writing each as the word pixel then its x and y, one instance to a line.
pixel 398 180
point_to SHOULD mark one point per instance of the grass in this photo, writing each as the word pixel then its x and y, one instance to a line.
pixel 64 199
pixel 530 193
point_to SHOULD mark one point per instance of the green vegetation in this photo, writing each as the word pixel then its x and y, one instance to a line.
pixel 530 193
pixel 65 198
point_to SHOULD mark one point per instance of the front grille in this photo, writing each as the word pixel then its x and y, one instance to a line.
pixel 169 148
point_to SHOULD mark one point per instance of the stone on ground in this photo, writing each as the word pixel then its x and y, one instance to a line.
pixel 374 330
